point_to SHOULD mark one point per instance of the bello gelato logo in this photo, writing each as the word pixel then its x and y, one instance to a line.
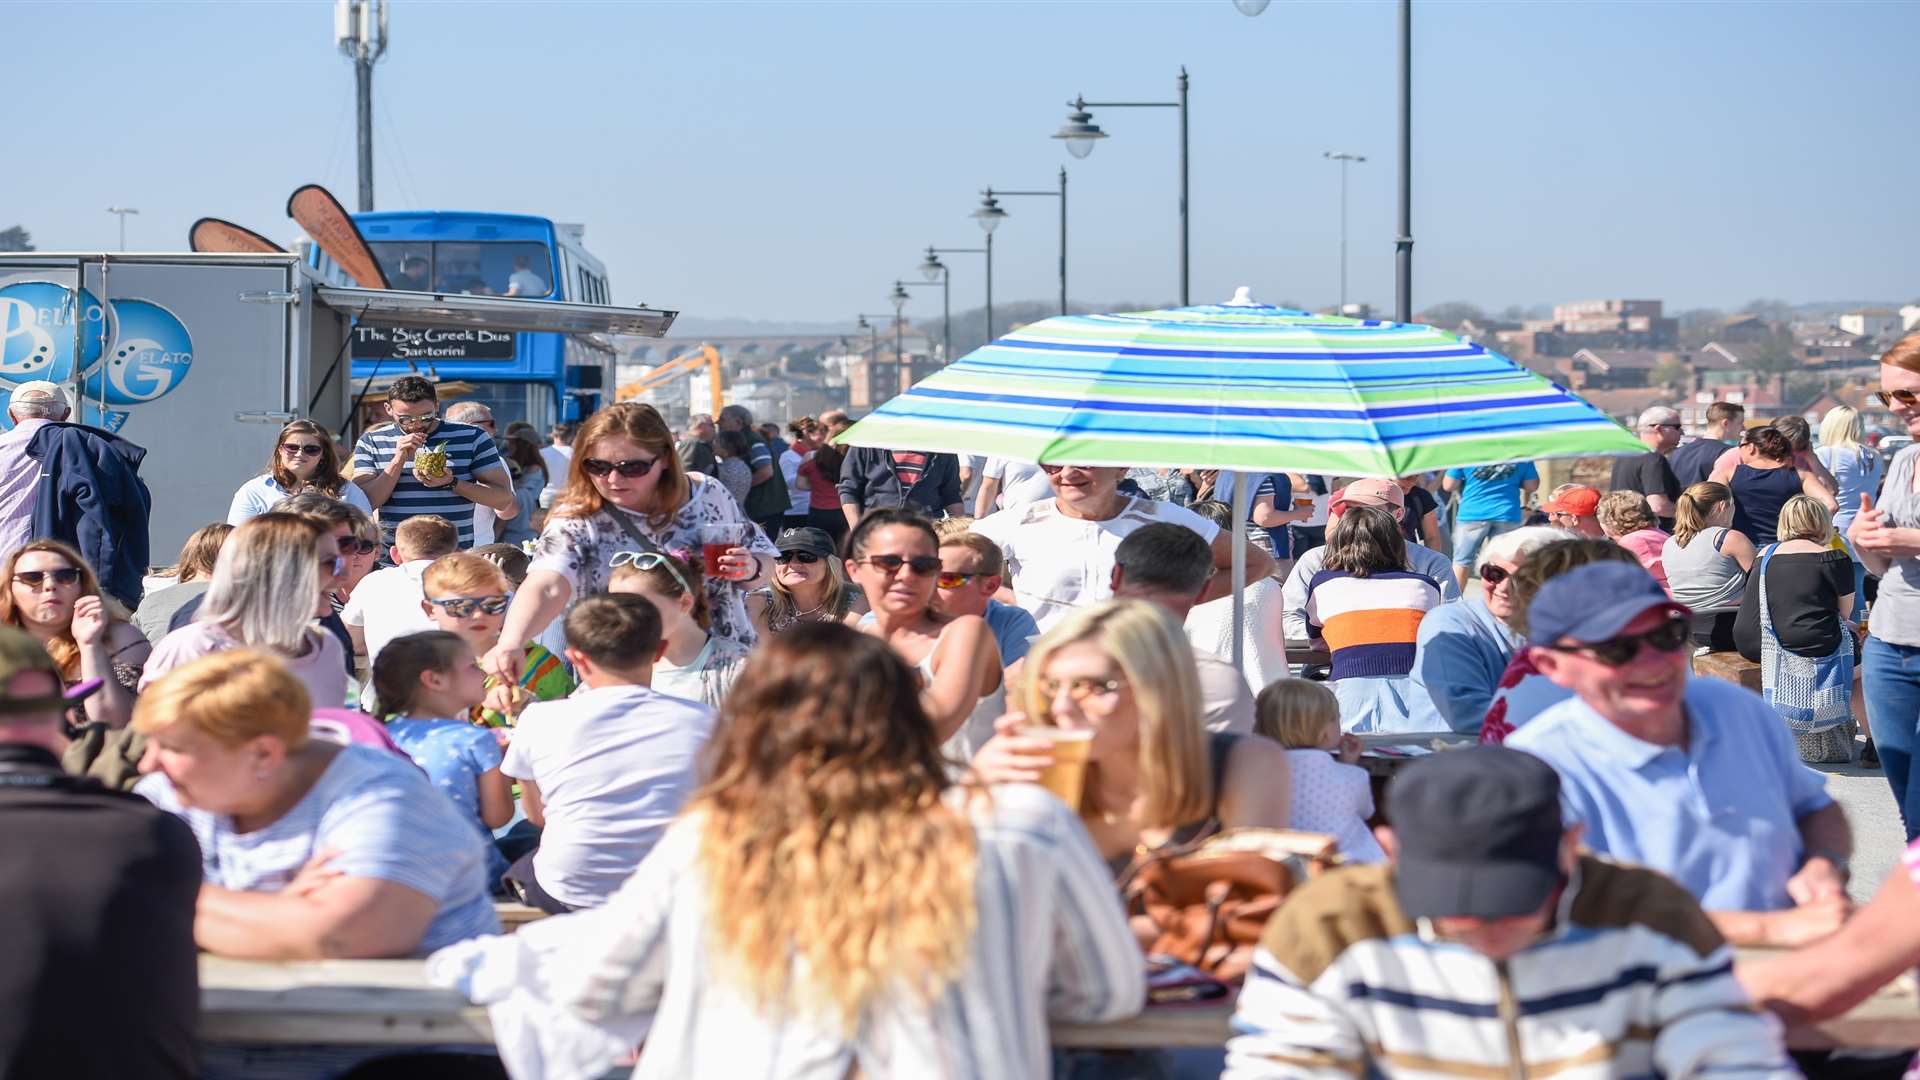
pixel 130 351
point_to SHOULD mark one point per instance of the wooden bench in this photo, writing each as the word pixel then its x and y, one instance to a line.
pixel 1730 666
pixel 514 915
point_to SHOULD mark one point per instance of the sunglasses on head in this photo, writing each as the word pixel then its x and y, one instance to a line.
pixel 632 469
pixel 804 558
pixel 919 565
pixel 66 575
pixel 300 449
pixel 461 607
pixel 647 560
pixel 1668 637
pixel 1907 398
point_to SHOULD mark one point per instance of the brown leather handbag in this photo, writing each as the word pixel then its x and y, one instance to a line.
pixel 1207 901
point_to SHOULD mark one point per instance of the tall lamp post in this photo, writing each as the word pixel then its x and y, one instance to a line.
pixel 873 350
pixel 899 298
pixel 900 286
pixel 936 271
pixel 1080 133
pixel 1062 196
pixel 121 212
pixel 1403 239
pixel 360 30
pixel 989 216
pixel 933 262
pixel 1344 159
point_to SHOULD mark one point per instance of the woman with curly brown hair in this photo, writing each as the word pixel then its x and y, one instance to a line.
pixel 832 904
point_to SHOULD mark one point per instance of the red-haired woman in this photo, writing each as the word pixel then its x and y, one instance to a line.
pixel 626 491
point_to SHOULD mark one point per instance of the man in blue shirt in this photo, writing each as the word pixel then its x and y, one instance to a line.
pixel 1696 778
pixel 1464 647
pixel 972 569
pixel 1490 504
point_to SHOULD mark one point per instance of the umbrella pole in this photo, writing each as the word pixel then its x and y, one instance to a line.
pixel 1241 497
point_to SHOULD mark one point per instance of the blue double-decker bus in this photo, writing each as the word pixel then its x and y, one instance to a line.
pixel 541 378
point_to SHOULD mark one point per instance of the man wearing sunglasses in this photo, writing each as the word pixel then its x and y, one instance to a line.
pixel 1650 474
pixel 1695 778
pixel 1575 507
pixel 383 464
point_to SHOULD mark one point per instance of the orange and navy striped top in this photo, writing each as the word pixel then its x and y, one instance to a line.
pixel 1370 624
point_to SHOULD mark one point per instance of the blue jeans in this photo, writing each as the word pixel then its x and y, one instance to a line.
pixel 1890 677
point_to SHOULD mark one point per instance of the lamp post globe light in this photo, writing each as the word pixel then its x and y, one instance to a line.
pixel 933 268
pixel 1251 7
pixel 1079 134
pixel 990 215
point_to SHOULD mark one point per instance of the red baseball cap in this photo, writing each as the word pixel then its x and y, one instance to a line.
pixel 1576 499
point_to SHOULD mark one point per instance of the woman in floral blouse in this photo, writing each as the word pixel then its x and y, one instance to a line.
pixel 626 491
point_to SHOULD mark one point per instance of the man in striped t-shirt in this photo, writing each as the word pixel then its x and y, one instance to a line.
pixel 383 464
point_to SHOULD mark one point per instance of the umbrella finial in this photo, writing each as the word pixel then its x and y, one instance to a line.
pixel 1242 297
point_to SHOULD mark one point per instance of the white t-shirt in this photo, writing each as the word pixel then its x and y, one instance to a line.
pixel 1056 563
pixel 386 605
pixel 258 495
pixel 613 766
pixel 557 459
pixel 526 283
pixel 1020 481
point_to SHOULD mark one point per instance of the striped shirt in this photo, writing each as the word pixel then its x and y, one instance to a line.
pixel 1371 624
pixel 469 451
pixel 1632 980
pixel 1050 942
pixel 382 815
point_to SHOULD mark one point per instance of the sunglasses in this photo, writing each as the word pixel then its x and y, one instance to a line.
pixel 1081 689
pixel 416 421
pixel 647 560
pixel 1491 575
pixel 949 579
pixel 333 564
pixel 66 575
pixel 300 449
pixel 1906 398
pixel 804 558
pixel 359 547
pixel 1667 637
pixel 632 469
pixel 461 607
pixel 920 565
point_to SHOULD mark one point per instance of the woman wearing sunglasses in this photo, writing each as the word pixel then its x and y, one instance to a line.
pixel 895 556
pixel 303 459
pixel 809 585
pixel 627 491
pixel 1885 534
pixel 273 575
pixel 54 596
pixel 1466 645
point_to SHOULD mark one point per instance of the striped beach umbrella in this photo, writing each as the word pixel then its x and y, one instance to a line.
pixel 1242 386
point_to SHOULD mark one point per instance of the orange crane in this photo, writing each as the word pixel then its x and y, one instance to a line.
pixel 686 364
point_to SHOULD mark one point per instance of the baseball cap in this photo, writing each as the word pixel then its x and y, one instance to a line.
pixel 1594 602
pixel 41 389
pixel 1478 833
pixel 20 653
pixel 806 539
pixel 1369 491
pixel 1577 499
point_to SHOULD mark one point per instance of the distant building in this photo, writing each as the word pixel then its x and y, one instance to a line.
pixel 1602 324
pixel 1612 369
pixel 1870 322
pixel 1909 318
pixel 1743 329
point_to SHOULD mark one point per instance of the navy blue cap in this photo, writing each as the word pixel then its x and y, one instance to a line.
pixel 1592 603
pixel 1477 833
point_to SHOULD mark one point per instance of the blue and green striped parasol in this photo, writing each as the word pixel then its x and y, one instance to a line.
pixel 1242 386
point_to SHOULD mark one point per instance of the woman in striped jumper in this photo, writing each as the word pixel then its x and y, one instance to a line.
pixel 1367 606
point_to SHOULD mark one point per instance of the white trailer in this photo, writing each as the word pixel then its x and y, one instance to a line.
pixel 202 358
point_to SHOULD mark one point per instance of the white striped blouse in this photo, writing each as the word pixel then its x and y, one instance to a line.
pixel 1051 942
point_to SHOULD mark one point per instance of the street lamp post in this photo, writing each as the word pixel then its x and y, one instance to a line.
pixel 989 216
pixel 873 350
pixel 1344 159
pixel 935 270
pixel 900 368
pixel 1080 133
pixel 927 269
pixel 1403 239
pixel 1062 196
pixel 121 212
pixel 899 285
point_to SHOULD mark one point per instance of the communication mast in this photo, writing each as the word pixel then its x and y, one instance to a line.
pixel 360 30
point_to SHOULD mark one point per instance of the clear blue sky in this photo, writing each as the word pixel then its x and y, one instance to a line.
pixel 787 161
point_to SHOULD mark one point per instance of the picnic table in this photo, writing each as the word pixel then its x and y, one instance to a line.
pixel 389 1003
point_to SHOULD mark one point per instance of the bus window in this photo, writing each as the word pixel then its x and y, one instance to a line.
pixel 478 268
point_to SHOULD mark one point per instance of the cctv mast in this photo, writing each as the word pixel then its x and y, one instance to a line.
pixel 360 29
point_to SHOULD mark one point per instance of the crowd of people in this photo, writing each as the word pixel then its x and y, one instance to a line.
pixel 833 760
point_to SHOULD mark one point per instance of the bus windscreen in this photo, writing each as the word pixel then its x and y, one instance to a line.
pixel 474 267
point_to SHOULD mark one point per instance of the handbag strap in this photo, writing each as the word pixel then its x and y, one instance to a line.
pixel 639 539
pixel 1766 616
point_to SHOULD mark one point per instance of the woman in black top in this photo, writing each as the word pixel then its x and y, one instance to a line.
pixel 1809 586
pixel 1764 478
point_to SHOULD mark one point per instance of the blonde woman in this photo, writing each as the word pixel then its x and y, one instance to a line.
pixel 1857 470
pixel 809 584
pixel 1807 586
pixel 1156 776
pixel 1707 561
pixel 832 904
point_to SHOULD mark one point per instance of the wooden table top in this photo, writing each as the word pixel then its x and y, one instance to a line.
pixel 389 1003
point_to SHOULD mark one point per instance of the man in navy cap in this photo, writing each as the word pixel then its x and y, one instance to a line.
pixel 1695 778
pixel 1490 945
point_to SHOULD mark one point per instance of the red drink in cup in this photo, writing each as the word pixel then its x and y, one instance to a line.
pixel 715 542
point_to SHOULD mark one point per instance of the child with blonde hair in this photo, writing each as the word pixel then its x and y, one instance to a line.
pixel 1331 794
pixel 468 594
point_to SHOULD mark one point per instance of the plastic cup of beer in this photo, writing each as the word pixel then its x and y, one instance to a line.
pixel 1067 776
pixel 716 540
